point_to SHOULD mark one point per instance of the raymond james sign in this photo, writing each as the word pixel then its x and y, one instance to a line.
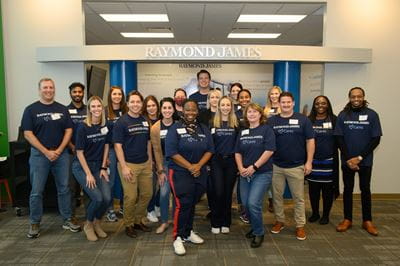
pixel 203 52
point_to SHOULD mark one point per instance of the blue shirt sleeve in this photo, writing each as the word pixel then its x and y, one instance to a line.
pixel 68 120
pixel 308 129
pixel 27 121
pixel 118 132
pixel 338 131
pixel 171 142
pixel 80 138
pixel 210 142
pixel 269 143
pixel 375 126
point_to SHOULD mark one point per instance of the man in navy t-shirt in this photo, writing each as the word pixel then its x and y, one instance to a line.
pixel 292 160
pixel 203 79
pixel 358 132
pixel 77 112
pixel 48 128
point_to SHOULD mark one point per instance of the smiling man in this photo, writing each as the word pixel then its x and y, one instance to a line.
pixel 47 127
pixel 295 147
pixel 358 132
pixel 203 79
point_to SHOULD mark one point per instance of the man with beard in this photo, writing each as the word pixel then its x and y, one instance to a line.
pixel 358 132
pixel 77 111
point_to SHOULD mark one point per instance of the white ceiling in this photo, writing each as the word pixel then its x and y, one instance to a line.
pixel 203 22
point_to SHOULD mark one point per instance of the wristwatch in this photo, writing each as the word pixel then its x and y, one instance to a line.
pixel 359 157
pixel 255 167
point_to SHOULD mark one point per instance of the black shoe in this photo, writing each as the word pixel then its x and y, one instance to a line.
pixel 250 235
pixel 130 231
pixel 257 241
pixel 324 220
pixel 142 227
pixel 313 218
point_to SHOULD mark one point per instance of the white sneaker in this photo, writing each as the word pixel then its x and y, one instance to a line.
pixel 215 230
pixel 194 238
pixel 151 216
pixel 157 211
pixel 225 230
pixel 179 248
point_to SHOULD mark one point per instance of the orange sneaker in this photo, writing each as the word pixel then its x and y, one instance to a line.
pixel 277 228
pixel 300 233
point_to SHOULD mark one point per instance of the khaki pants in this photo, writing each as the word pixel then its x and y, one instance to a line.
pixel 295 179
pixel 137 193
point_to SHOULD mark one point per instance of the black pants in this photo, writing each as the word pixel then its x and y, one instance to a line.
pixel 223 178
pixel 365 184
pixel 187 192
pixel 314 191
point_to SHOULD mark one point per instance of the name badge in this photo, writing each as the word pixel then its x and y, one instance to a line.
pixel 145 123
pixel 272 110
pixel 163 132
pixel 104 130
pixel 213 130
pixel 181 130
pixel 363 117
pixel 245 132
pixel 327 125
pixel 73 111
pixel 55 116
pixel 293 121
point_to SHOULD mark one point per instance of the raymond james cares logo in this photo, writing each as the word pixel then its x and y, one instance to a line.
pixel 203 52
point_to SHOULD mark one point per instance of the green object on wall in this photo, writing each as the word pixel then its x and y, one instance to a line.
pixel 4 147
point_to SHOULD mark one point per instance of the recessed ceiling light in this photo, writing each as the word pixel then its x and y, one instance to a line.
pixel 135 17
pixel 147 34
pixel 271 18
pixel 253 35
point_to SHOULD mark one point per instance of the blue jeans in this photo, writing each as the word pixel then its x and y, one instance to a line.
pixel 100 196
pixel 115 182
pixel 165 191
pixel 155 199
pixel 40 168
pixel 252 192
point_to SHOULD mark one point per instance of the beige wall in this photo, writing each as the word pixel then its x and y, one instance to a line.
pixel 369 24
pixel 27 25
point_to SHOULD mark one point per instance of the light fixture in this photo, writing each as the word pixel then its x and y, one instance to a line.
pixel 271 18
pixel 253 35
pixel 135 17
pixel 147 34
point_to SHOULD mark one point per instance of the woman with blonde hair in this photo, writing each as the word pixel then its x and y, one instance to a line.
pixel 206 116
pixel 254 148
pixel 224 128
pixel 90 170
pixel 272 107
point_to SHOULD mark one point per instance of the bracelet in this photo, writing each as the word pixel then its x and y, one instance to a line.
pixel 104 168
pixel 255 167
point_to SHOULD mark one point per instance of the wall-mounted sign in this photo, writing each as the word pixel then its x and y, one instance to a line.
pixel 201 52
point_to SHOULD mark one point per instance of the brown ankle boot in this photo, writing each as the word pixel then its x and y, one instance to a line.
pixel 89 231
pixel 99 231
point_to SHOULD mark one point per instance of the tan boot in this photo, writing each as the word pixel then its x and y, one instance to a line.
pixel 99 231
pixel 89 231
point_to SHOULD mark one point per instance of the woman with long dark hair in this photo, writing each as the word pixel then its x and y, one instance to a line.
pixel 324 175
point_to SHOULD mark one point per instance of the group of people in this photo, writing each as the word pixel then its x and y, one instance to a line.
pixel 205 143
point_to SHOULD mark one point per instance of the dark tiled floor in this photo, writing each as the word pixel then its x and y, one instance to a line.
pixel 324 245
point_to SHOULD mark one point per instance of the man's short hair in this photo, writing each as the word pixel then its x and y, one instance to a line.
pixel 286 94
pixel 203 71
pixel 76 84
pixel 45 79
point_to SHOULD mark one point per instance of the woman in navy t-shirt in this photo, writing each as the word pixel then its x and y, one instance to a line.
pixel 188 146
pixel 90 169
pixel 131 137
pixel 254 148
pixel 116 107
pixel 224 129
pixel 324 175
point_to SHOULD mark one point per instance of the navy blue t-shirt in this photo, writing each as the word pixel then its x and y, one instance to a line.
pixel 358 128
pixel 111 122
pixel 163 134
pixel 325 147
pixel 291 134
pixel 48 122
pixel 192 148
pixel 77 116
pixel 134 134
pixel 201 99
pixel 92 140
pixel 253 142
pixel 224 139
